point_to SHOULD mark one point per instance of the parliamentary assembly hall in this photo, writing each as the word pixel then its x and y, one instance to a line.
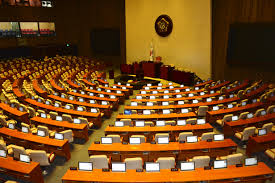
pixel 137 91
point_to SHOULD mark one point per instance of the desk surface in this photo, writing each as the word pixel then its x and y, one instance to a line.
pixel 33 138
pixel 172 146
pixel 166 128
pixel 14 111
pixel 115 89
pixel 93 97
pixel 264 138
pixel 199 174
pixel 105 93
pixel 54 85
pixel 156 116
pixel 204 83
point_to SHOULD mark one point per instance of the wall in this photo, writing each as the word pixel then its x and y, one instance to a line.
pixel 227 12
pixel 73 21
pixel 188 46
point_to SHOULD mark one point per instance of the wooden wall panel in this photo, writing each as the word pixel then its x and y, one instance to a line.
pixel 226 12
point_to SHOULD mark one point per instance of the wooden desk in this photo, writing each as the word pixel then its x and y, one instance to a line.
pixel 218 86
pixel 15 113
pixel 125 91
pixel 170 89
pixel 56 87
pixel 157 116
pixel 106 109
pixel 20 170
pixel 260 143
pixel 150 152
pixel 94 117
pixel 212 116
pixel 37 88
pixel 30 141
pixel 249 174
pixel 114 101
pixel 79 130
pixel 89 83
pixel 73 85
pixel 121 96
pixel 204 83
pixel 257 92
pixel 230 128
pixel 18 93
pixel 102 82
pixel 149 132
pixel 120 86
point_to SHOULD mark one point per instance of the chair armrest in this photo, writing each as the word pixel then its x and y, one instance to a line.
pixel 49 157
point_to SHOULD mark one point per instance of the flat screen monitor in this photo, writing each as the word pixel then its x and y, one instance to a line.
pixel 85 166
pixel 147 88
pixel 152 167
pixel 138 97
pixel 56 105
pixel 197 88
pixel 250 161
pixel 118 167
pixel 231 95
pixel 91 94
pixel 165 103
pixel 215 108
pixel 82 92
pixel 76 121
pixel 93 110
pixel 160 84
pixel 106 140
pixel 170 84
pixel 39 100
pixel 166 96
pixel 166 111
pixel 43 115
pixel 250 115
pixel 119 83
pixel 221 98
pixel 104 103
pixel 114 87
pixel 134 104
pixel 202 93
pixel 119 123
pixel 229 106
pixel 81 100
pixel 101 95
pixel 106 85
pixel 71 98
pixel 112 96
pixel 3 153
pixel 195 101
pixel 243 103
pixel 159 87
pixel 21 109
pixel 92 101
pixel 24 158
pixel 212 91
pixel 181 86
pixel 218 137
pixel 154 92
pixel 220 164
pixel 177 91
pixel 187 89
pixel 140 123
pixel 191 95
pixel 184 110
pixel 25 129
pixel 166 91
pixel 228 87
pixel 262 132
pixel 254 100
pixel 160 123
pixel 171 87
pixel 163 140
pixel 118 92
pixel 149 84
pixel 181 122
pixel 41 133
pixel 201 121
pixel 149 103
pixel 75 91
pixel 124 88
pixel 209 100
pixel 99 89
pixel 58 118
pixel 180 102
pixel 235 118
pixel 108 91
pixel 67 107
pixel 143 92
pixel 11 126
pixel 178 96
pixel 191 139
pixel 152 97
pixel 127 112
pixel 59 136
pixel 187 166
pixel 146 112
pixel 134 140
pixel 56 94
pixel 263 113
pixel 79 109
pixel 48 102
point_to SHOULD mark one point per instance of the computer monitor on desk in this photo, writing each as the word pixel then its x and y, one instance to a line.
pixel 166 111
pixel 118 167
pixel 178 96
pixel 24 158
pixel 250 161
pixel 79 109
pixel 143 92
pixel 3 153
pixel 209 100
pixel 154 92
pixel 202 93
pixel 235 118
pixel 262 132
pixel 59 136
pixel 81 100
pixel 215 108
pixel 160 123
pixel 67 107
pixel 149 84
pixel 21 109
pixel 180 102
pixel 106 140
pixel 146 112
pixel 134 104
pixel 112 96
pixel 181 122
pixel 191 139
pixel 101 95
pixel 152 167
pixel 104 103
pixel 92 101
pixel 91 94
pixel 200 121
pixel 166 96
pixel 119 123
pixel 41 133
pixel 159 87
pixel 43 115
pixel 118 92
pixel 191 95
pixel 85 166
pixel 171 87
pixel 58 118
pixel 11 126
pixel 187 166
pixel 229 106
pixel 218 137
pixel 149 103
pixel 146 88
pixel 134 140
pixel 195 101
pixel 25 129
pixel 76 121
pixel 177 91
pixel 139 123
pixel 165 103
pixel 220 164
pixel 163 140
pixel 250 115
pixel 152 97
pixel 187 89
pixel 138 97
pixel 184 110
pixel 124 88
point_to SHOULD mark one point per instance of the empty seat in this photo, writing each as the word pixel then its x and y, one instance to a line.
pixel 191 121
pixel 232 159
pixel 127 122
pixel 172 122
pixel 133 163
pixel 207 135
pixel 267 126
pixel 99 161
pixel 183 135
pixel 85 121
pixel 16 150
pixel 202 111
pixel 243 136
pixel 259 112
pixel 115 138
pixel 201 161
pixel 166 162
pixel 53 115
pixel 270 109
pixel 41 157
pixel 46 130
pixel 31 111
pixel 243 115
pixel 67 117
pixel 149 123
pixel 68 134
pixel 226 118
pixel 270 153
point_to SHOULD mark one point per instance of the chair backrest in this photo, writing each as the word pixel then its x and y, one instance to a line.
pixel 127 122
pixel 183 135
pixel 3 145
pixel 234 159
pixel 32 112
pixel 3 121
pixel 99 161
pixel 27 126
pixel 115 138
pixel 17 150
pixel 68 134
pixel 258 112
pixel 53 114
pixel 67 117
pixel 243 115
pixel 249 131
pixel 83 120
pixel 142 138
pixel 160 135
pixel 191 120
pixel 43 128
pixel 268 127
pixel 166 162
pixel 201 161
pixel 133 163
pixel 202 110
pixel 270 109
pixel 172 122
pixel 207 135
pixel 149 123
pixel 227 118
pixel 39 156
pixel 240 94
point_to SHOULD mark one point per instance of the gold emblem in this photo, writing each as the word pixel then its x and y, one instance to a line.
pixel 163 25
